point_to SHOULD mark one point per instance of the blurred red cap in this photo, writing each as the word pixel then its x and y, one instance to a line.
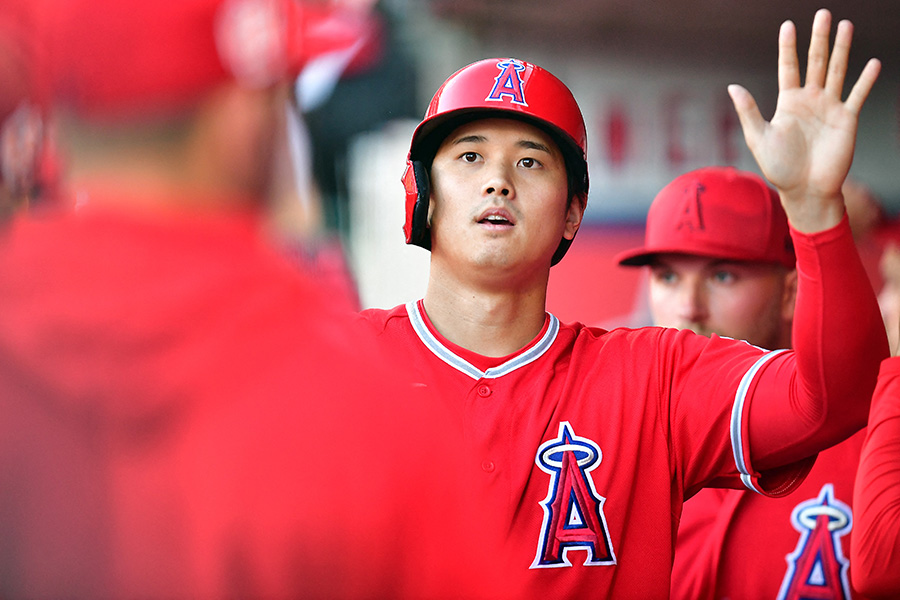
pixel 121 57
pixel 719 212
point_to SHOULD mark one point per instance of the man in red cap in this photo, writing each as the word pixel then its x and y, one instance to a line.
pixel 721 261
pixel 585 442
pixel 185 413
pixel 721 257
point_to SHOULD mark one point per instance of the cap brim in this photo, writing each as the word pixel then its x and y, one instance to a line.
pixel 636 257
pixel 641 257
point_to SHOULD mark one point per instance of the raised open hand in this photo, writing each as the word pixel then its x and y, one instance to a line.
pixel 807 148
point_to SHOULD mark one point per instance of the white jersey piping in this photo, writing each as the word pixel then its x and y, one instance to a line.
pixel 737 410
pixel 462 365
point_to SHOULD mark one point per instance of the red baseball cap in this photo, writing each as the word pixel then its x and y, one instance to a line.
pixel 121 57
pixel 719 212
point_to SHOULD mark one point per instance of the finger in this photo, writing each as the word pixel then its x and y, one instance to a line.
pixel 788 65
pixel 752 121
pixel 837 66
pixel 863 86
pixel 817 61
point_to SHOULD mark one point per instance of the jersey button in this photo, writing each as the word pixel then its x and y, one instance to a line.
pixel 484 391
pixel 487 466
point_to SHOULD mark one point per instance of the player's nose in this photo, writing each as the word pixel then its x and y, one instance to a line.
pixel 692 305
pixel 498 182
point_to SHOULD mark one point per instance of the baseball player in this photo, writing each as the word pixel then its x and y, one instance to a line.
pixel 721 261
pixel 587 441
pixel 185 413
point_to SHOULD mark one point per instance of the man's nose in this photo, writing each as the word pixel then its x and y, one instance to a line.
pixel 499 183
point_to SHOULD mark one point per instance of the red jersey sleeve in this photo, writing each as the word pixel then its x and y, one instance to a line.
pixel 713 389
pixel 875 554
pixel 839 341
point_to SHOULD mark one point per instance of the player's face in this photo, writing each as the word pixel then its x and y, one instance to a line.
pixel 499 197
pixel 747 301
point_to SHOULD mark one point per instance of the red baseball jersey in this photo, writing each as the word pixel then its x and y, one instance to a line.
pixel 875 556
pixel 740 545
pixel 587 441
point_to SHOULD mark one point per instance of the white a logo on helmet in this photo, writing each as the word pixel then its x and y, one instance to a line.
pixel 252 40
pixel 508 84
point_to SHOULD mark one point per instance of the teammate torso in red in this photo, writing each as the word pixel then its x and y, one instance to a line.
pixel 738 544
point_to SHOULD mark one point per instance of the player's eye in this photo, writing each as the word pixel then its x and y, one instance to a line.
pixel 529 163
pixel 469 157
pixel 723 276
pixel 666 276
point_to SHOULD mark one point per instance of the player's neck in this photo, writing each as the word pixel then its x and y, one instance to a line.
pixel 490 323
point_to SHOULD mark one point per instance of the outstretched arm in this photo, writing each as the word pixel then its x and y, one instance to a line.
pixel 820 395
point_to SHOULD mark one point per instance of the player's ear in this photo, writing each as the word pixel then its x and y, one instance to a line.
pixel 574 216
pixel 430 207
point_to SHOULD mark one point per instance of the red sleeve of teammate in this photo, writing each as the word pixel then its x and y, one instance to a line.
pixel 839 341
pixel 875 553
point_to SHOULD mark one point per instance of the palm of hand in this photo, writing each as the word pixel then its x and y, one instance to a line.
pixel 807 147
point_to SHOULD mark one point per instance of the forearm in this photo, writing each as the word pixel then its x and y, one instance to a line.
pixel 839 341
pixel 875 552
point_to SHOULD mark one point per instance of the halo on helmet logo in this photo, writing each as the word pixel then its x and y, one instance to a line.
pixel 508 83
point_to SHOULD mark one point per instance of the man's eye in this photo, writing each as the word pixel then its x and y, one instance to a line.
pixel 529 163
pixel 667 277
pixel 470 156
pixel 724 276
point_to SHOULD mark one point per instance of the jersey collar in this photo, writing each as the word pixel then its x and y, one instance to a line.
pixel 528 355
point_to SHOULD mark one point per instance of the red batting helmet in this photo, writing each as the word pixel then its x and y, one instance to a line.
pixel 495 87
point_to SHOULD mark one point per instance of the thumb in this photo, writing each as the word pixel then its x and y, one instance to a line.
pixel 752 122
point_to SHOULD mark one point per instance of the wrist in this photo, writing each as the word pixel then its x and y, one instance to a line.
pixel 811 215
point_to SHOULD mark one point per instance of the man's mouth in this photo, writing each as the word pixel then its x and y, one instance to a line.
pixel 496 216
pixel 495 220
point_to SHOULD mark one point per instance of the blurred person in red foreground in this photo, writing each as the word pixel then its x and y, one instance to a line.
pixel 183 412
pixel 721 261
pixel 875 554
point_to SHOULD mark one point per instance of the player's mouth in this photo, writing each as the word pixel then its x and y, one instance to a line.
pixel 496 217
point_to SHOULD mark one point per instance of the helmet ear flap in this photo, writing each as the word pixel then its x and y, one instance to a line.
pixel 418 192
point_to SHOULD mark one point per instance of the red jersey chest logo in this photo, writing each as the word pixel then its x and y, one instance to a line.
pixel 573 510
pixel 817 568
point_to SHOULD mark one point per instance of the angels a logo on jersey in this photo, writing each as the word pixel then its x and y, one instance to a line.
pixel 508 83
pixel 818 568
pixel 573 510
